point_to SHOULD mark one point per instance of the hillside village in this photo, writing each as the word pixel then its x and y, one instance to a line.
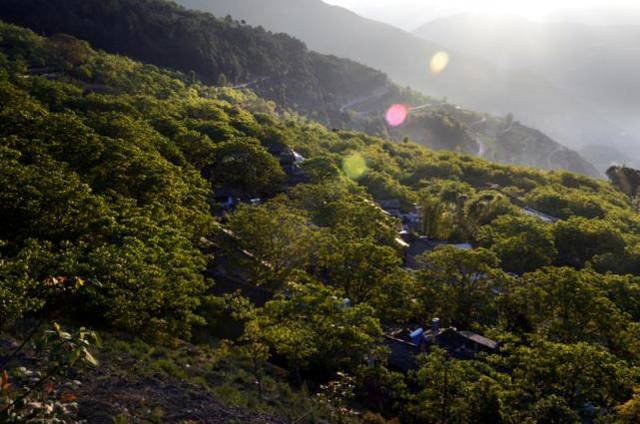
pixel 405 345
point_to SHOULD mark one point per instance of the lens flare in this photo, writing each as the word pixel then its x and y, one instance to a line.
pixel 355 166
pixel 396 115
pixel 439 62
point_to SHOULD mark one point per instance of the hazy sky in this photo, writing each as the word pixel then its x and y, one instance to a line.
pixel 410 13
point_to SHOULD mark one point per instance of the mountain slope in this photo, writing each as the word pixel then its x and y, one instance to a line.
pixel 277 66
pixel 506 140
pixel 470 80
pixel 337 92
pixel 335 30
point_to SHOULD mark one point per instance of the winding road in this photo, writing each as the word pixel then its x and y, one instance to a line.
pixel 482 147
pixel 382 91
pixel 250 83
pixel 552 153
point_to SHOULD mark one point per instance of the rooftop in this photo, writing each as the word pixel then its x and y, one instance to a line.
pixel 481 340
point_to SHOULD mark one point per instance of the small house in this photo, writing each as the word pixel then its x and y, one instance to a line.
pixel 392 207
pixel 406 345
pixel 540 215
pixel 410 217
pixel 290 161
pixel 227 198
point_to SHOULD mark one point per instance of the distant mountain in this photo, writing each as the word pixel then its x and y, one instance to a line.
pixel 596 67
pixel 405 57
pixel 603 157
pixel 338 31
pixel 336 92
pixel 401 15
pixel 499 139
pixel 471 80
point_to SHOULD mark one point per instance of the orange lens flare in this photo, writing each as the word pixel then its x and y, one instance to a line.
pixel 439 62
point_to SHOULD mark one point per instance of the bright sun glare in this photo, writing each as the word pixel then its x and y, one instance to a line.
pixel 532 9
pixel 526 8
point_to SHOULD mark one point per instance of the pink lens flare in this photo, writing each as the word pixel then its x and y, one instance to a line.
pixel 396 115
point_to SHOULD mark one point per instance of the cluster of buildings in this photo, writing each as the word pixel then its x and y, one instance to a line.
pixel 409 239
pixel 404 345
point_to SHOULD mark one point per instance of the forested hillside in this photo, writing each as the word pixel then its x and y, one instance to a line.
pixel 218 51
pixel 336 92
pixel 136 201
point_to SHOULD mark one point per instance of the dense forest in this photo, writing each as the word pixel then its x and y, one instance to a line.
pixel 131 194
pixel 336 92
pixel 217 51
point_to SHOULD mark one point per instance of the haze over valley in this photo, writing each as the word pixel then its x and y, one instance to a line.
pixel 576 83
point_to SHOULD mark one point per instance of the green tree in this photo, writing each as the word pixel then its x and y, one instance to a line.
pixel 261 173
pixel 522 243
pixel 459 286
pixel 483 208
pixel 563 202
pixel 452 391
pixel 360 267
pixel 567 306
pixel 578 374
pixel 578 240
pixel 343 205
pixel 321 168
pixel 553 410
pixel 312 328
pixel 222 80
pixel 277 238
pixel 629 412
